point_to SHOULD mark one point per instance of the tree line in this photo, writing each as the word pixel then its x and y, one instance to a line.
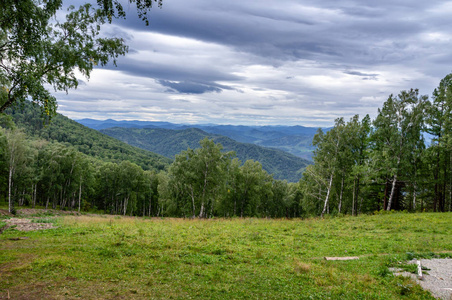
pixel 401 160
pixel 203 182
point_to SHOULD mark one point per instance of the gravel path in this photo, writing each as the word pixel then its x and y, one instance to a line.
pixel 438 279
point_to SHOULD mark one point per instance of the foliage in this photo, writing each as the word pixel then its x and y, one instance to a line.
pixel 295 140
pixel 360 167
pixel 385 164
pixel 197 175
pixel 169 143
pixel 85 140
pixel 36 52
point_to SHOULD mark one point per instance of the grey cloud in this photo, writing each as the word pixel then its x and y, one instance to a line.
pixel 182 79
pixel 189 87
pixel 262 107
pixel 283 35
pixel 352 32
pixel 386 40
pixel 366 76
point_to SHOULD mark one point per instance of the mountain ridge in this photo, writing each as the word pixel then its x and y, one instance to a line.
pixel 84 139
pixel 296 139
pixel 170 142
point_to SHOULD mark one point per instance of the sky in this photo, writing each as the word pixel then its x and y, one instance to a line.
pixel 265 62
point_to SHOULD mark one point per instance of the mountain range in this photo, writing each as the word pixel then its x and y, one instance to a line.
pixel 292 139
pixel 154 148
pixel 169 142
pixel 91 142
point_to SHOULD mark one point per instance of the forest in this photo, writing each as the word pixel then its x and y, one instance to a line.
pixel 401 160
pixel 281 164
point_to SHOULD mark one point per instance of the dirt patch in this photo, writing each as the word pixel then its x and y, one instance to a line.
pixel 39 211
pixel 28 292
pixel 438 277
pixel 4 212
pixel 26 225
pixel 36 211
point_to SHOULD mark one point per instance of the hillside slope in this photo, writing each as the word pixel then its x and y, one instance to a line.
pixel 168 142
pixel 84 139
pixel 296 140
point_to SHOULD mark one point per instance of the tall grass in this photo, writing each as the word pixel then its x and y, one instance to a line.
pixel 105 257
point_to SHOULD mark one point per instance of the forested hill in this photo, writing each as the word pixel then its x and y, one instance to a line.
pixel 84 139
pixel 296 140
pixel 170 142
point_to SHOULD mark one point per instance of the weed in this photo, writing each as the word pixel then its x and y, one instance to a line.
pixel 405 289
pixel 301 267
pixel 383 271
pixel 43 220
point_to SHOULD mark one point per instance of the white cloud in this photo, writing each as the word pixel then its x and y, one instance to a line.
pixel 286 62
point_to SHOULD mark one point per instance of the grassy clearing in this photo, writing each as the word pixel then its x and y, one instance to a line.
pixel 108 257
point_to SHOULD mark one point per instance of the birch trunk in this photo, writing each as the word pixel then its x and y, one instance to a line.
pixel 10 180
pixel 341 194
pixel 126 200
pixel 325 206
pixel 353 198
pixel 394 182
pixel 80 195
pixel 391 196
pixel 201 213
pixel 193 201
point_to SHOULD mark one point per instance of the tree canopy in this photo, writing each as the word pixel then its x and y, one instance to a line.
pixel 37 50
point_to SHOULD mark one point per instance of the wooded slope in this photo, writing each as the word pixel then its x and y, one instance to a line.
pixel 168 142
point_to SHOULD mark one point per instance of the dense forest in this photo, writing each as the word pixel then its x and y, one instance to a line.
pixel 360 166
pixel 168 142
pixel 296 140
pixel 69 166
pixel 385 164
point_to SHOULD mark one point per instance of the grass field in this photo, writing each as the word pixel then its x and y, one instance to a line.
pixel 107 257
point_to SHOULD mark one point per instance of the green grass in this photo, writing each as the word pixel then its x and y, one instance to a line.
pixel 109 257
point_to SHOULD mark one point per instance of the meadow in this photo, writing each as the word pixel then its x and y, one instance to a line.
pixel 112 257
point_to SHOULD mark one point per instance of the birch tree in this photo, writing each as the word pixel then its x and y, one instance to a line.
pixel 439 125
pixel 327 158
pixel 38 50
pixel 397 130
pixel 197 175
pixel 16 158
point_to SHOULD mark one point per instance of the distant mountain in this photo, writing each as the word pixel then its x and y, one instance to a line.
pixel 98 125
pixel 169 142
pixel 296 140
pixel 84 139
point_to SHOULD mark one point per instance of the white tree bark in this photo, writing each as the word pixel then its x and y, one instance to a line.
pixel 80 194
pixel 327 195
pixel 10 179
pixel 391 197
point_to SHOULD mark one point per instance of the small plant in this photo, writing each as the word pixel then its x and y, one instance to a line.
pixel 301 267
pixel 383 271
pixel 412 268
pixel 405 289
pixel 410 256
pixel 42 220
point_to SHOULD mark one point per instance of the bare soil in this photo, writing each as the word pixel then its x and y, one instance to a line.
pixel 27 225
pixel 36 211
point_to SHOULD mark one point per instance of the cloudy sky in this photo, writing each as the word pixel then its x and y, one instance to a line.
pixel 287 62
